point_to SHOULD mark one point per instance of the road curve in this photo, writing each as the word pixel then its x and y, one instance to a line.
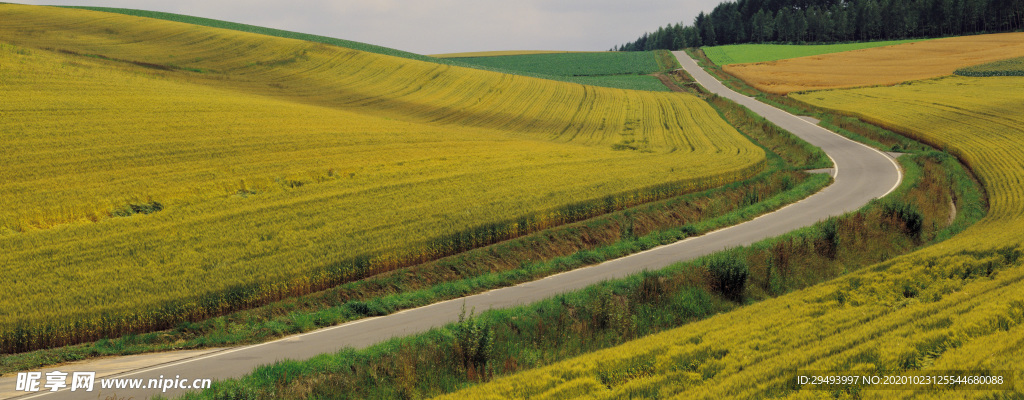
pixel 861 174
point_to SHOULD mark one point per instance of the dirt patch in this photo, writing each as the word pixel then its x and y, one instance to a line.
pixel 668 82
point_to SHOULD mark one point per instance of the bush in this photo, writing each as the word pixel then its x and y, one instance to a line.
pixel 907 213
pixel 728 273
pixel 474 345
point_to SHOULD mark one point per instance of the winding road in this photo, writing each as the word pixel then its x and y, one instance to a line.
pixel 861 174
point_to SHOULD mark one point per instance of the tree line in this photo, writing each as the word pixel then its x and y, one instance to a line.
pixel 825 21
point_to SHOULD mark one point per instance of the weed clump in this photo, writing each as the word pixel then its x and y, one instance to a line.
pixel 140 208
pixel 908 214
pixel 728 273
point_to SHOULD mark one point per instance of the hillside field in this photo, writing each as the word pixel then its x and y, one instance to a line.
pixel 623 70
pixel 881 65
pixel 752 53
pixel 157 171
pixel 503 53
pixel 575 64
pixel 954 306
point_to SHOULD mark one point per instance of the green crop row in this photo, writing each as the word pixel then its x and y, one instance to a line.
pixel 1010 67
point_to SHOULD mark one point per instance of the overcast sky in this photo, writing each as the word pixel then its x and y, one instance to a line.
pixel 443 26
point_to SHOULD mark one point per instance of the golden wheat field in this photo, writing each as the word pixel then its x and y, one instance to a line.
pixel 155 171
pixel 957 305
pixel 887 65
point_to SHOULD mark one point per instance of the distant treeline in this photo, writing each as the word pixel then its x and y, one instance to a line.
pixel 823 21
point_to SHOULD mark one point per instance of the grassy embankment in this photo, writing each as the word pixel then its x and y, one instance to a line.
pixel 159 172
pixel 953 306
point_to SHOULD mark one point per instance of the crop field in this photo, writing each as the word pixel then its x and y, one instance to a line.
pixel 751 53
pixel 887 65
pixel 1011 67
pixel 622 66
pixel 214 23
pixel 957 305
pixel 623 70
pixel 504 53
pixel 156 171
pixel 575 64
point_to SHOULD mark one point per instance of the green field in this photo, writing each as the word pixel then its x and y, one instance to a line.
pixel 1010 67
pixel 574 64
pixel 622 70
pixel 751 53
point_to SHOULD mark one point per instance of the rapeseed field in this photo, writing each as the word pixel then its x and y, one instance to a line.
pixel 156 172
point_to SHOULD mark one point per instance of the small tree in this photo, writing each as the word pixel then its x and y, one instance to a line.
pixel 474 344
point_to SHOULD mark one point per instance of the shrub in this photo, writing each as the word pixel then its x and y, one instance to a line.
pixel 906 213
pixel 728 273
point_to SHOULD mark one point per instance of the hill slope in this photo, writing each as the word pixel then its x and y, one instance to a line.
pixel 162 171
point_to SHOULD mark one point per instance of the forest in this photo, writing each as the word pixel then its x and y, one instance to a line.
pixel 829 21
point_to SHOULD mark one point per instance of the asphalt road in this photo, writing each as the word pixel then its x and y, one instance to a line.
pixel 861 174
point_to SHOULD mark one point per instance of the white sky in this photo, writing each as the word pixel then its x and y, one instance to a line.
pixel 442 26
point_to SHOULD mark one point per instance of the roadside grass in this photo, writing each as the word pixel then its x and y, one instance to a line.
pixel 499 265
pixel 750 53
pixel 502 342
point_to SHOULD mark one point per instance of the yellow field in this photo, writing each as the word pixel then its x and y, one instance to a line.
pixel 965 310
pixel 503 53
pixel 879 66
pixel 279 166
